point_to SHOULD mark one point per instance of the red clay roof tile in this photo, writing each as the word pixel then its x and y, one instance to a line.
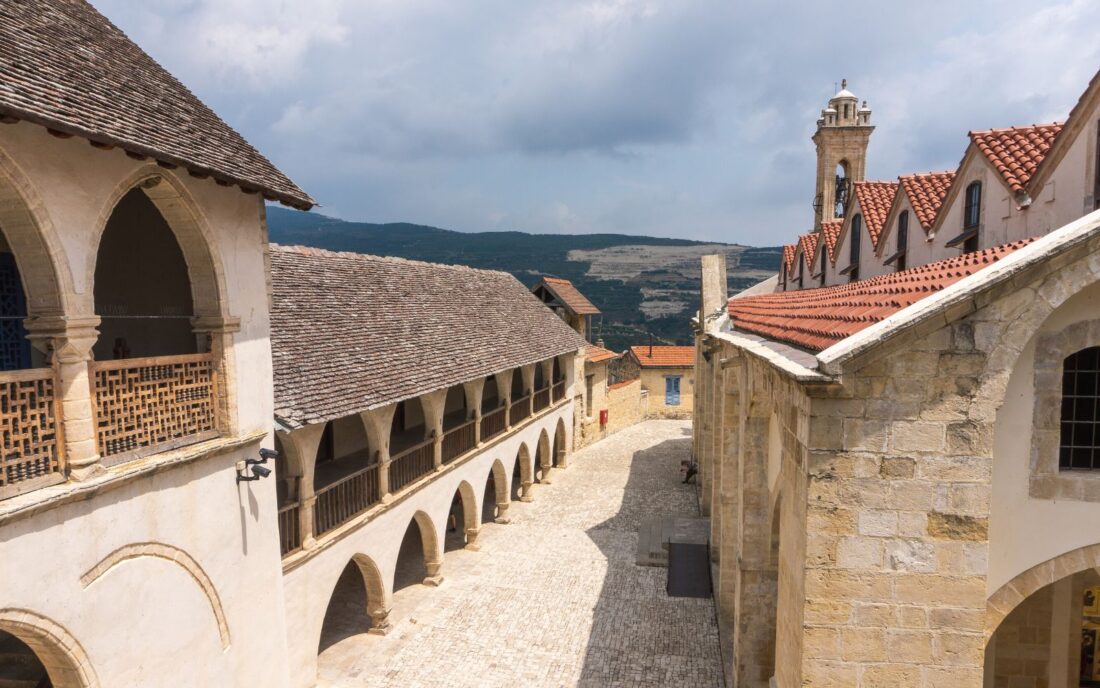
pixel 808 243
pixel 875 199
pixel 926 193
pixel 831 232
pixel 598 354
pixel 1017 151
pixel 664 356
pixel 816 319
pixel 789 251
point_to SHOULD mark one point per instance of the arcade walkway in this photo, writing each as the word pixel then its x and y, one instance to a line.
pixel 554 598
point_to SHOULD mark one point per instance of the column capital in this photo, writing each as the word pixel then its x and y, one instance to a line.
pixel 215 324
pixel 67 339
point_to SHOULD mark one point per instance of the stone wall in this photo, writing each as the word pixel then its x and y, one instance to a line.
pixel 653 381
pixel 1022 644
pixel 587 420
pixel 627 404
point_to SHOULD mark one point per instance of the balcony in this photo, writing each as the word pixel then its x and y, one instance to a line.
pixel 493 423
pixel 542 399
pixel 33 452
pixel 521 409
pixel 413 463
pixel 559 390
pixel 147 405
pixel 340 500
pixel 459 440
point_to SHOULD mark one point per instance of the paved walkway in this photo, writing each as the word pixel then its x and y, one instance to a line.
pixel 554 598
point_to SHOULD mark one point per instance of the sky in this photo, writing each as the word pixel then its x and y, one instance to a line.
pixel 680 118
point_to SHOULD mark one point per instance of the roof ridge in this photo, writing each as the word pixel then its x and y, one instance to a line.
pixel 329 253
pixel 1017 127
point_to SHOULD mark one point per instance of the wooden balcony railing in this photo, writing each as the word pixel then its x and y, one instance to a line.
pixel 339 502
pixel 153 404
pixel 493 423
pixel 32 452
pixel 290 531
pixel 411 464
pixel 521 409
pixel 559 391
pixel 458 441
pixel 542 399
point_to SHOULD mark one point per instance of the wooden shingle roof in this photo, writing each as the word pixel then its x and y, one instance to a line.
pixel 64 66
pixel 351 332
pixel 569 296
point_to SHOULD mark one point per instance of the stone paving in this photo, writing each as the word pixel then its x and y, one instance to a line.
pixel 554 598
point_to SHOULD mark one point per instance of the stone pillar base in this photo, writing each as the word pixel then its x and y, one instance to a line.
pixel 380 623
pixel 471 539
pixel 87 472
pixel 434 581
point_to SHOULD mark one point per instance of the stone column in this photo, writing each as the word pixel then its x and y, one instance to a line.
pixel 215 334
pixel 68 342
pixel 433 404
pixel 302 445
pixel 377 423
pixel 504 391
pixel 528 372
pixel 475 391
pixel 471 539
pixel 502 511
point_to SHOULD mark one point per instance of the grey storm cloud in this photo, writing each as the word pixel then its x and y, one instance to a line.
pixel 685 118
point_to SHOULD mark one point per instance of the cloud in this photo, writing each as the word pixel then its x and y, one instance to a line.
pixel 686 118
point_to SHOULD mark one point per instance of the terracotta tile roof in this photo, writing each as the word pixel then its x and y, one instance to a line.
pixel 789 251
pixel 875 200
pixel 816 319
pixel 66 67
pixel 926 193
pixel 351 332
pixel 831 232
pixel 570 297
pixel 664 356
pixel 808 242
pixel 620 385
pixel 1016 152
pixel 598 354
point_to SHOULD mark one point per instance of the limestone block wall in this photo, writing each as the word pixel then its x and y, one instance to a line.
pixel 627 404
pixel 587 420
pixel 1023 644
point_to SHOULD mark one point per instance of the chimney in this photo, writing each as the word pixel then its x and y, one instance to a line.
pixel 712 296
pixel 651 345
pixel 599 343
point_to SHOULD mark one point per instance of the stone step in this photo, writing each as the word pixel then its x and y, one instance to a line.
pixel 651 543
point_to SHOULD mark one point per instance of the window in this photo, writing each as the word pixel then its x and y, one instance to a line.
pixel 801 270
pixel 898 259
pixel 672 390
pixel 972 215
pixel 824 250
pixel 854 235
pixel 1078 448
pixel 589 383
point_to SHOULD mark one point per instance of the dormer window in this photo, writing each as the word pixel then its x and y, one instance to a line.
pixel 972 214
pixel 853 248
pixel 801 270
pixel 823 254
pixel 898 258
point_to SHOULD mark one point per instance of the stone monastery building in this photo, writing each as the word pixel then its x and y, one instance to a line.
pixel 897 445
pixel 155 349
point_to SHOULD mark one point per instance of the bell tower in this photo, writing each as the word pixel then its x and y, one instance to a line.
pixel 843 132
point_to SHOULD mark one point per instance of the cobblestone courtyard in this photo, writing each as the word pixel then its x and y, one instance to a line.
pixel 554 598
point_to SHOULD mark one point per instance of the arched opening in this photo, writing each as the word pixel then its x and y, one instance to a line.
pixel 357 604
pixel 345 477
pixel 15 349
pixel 408 427
pixel 540 377
pixel 517 390
pixel 559 450
pixel 145 306
pixel 496 490
pixel 1050 637
pixel 459 434
pixel 462 520
pixel 843 189
pixel 521 473
pixel 490 396
pixel 556 372
pixel 519 398
pixel 418 558
pixel 19 665
pixel 38 653
pixel 542 463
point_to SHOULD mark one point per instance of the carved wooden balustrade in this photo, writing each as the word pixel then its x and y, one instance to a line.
pixel 338 502
pixel 290 532
pixel 32 454
pixel 457 441
pixel 559 391
pixel 412 463
pixel 493 423
pixel 521 409
pixel 152 404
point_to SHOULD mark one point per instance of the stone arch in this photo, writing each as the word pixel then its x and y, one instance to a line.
pixel 61 654
pixel 561 448
pixel 497 480
pixel 332 628
pixel 46 276
pixel 543 460
pixel 431 548
pixel 1001 603
pixel 173 555
pixel 470 523
pixel 189 226
pixel 526 474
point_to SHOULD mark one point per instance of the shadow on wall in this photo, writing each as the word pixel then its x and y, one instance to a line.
pixel 637 629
